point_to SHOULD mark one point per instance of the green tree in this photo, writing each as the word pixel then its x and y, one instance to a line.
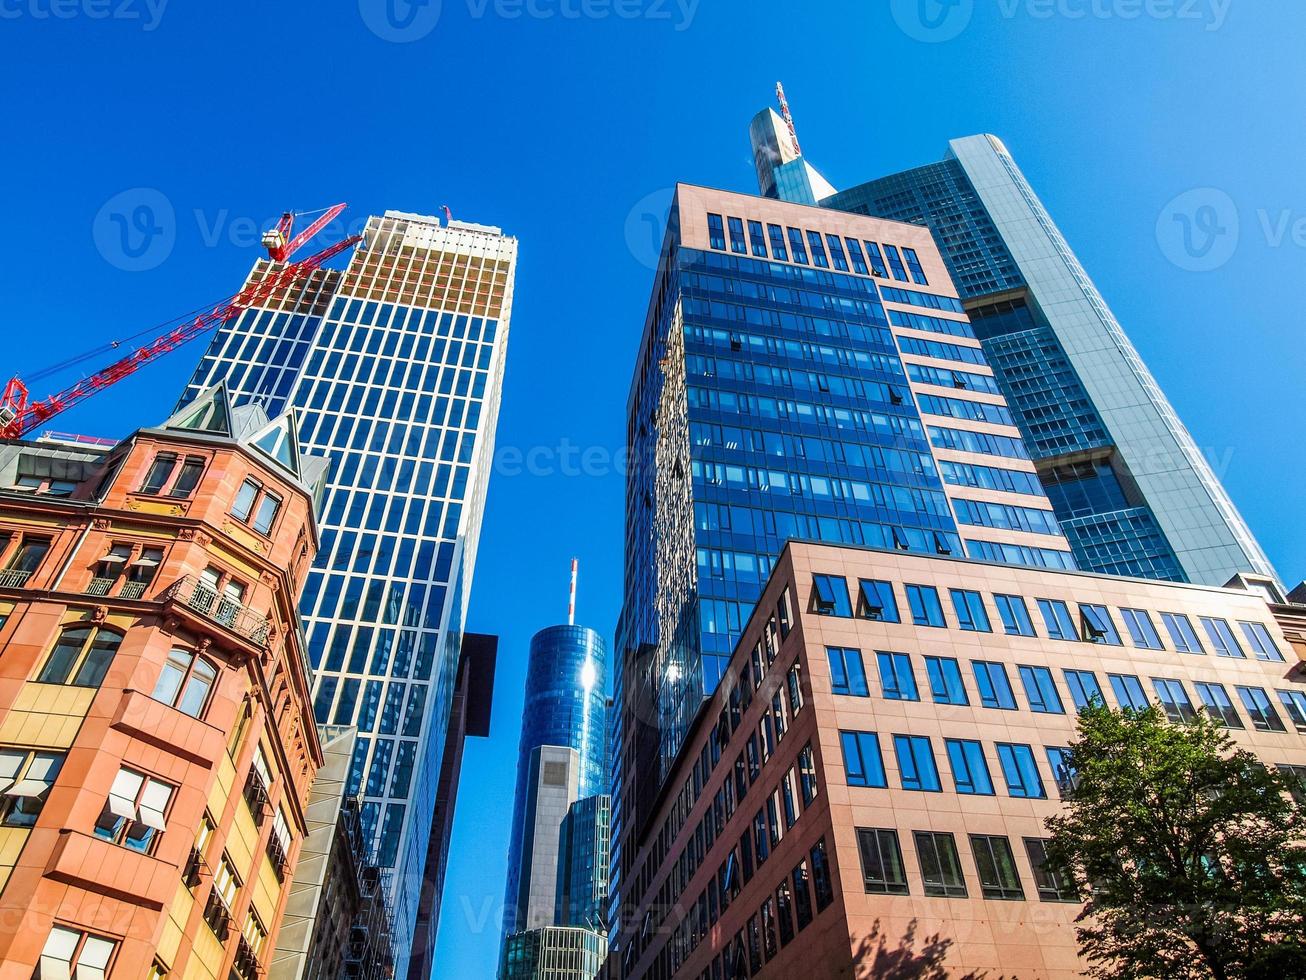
pixel 1188 850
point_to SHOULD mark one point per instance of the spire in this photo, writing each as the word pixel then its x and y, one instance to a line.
pixel 571 605
pixel 787 116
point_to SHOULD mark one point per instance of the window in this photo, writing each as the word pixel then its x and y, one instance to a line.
pixel 1216 701
pixel 970 771
pixel 863 764
pixel 716 232
pixel 1296 778
pixel 822 885
pixel 876 601
pixel 1174 699
pixel 1041 690
pixel 185 682
pixel 802 895
pixel 1182 634
pixel 1141 630
pixel 945 681
pixel 776 234
pixel 926 610
pixel 1015 615
pixel 997 868
pixel 1262 644
pixel 970 611
pixel 156 477
pixel 25 560
pixel 784 613
pixel 222 899
pixel 1056 618
pixel 807 775
pixel 192 468
pixel 817 248
pixel 756 239
pixel 1098 627
pixel 830 595
pixel 877 260
pixel 253 499
pixel 940 865
pixel 134 811
pixel 847 672
pixel 914 265
pixel 882 868
pixel 1294 702
pixel 794 681
pixel 737 243
pixel 916 766
pixel 994 687
pixel 1021 771
pixel 761 843
pixel 1221 636
pixel 1063 769
pixel 278 846
pixel 1260 710
pixel 784 910
pixel 1129 692
pixel 25 780
pixel 1084 689
pixel 796 245
pixel 895 262
pixel 1053 885
pixel 80 658
pixel 72 953
pixel 896 677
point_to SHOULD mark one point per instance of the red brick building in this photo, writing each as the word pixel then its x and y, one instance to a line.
pixel 156 738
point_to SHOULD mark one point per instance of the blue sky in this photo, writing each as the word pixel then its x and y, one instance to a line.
pixel 566 122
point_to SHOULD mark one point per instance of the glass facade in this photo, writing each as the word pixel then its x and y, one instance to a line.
pixel 565 705
pixel 583 864
pixel 1080 393
pixel 394 367
pixel 553 953
pixel 775 400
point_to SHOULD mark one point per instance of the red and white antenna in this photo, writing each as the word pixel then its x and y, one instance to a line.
pixel 571 604
pixel 787 116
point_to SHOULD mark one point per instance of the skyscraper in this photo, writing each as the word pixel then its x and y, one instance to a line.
pixel 394 367
pixel 583 863
pixel 560 760
pixel 782 392
pixel 1133 493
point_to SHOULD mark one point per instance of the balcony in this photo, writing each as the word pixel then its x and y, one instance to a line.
pixel 99 586
pixel 221 609
pixel 14 578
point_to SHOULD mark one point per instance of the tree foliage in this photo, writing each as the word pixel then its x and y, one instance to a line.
pixel 1188 850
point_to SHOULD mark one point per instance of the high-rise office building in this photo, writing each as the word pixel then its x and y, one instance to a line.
pixel 1133 493
pixel 565 710
pixel 583 841
pixel 866 794
pixel 394 367
pixel 782 391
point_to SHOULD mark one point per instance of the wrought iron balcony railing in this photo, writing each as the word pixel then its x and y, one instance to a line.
pixel 14 578
pixel 220 608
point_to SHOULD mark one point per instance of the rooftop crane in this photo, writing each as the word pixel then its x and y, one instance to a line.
pixel 19 415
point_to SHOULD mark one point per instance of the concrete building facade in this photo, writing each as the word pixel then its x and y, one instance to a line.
pixel 869 784
pixel 156 736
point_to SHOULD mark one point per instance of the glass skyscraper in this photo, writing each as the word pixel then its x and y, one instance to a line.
pixel 583 864
pixel 565 706
pixel 395 367
pixel 1133 493
pixel 786 387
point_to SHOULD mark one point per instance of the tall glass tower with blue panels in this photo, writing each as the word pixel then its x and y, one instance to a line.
pixel 786 387
pixel 565 705
pixel 395 367
pixel 1133 493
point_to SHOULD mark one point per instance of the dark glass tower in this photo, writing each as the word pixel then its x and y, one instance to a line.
pixel 787 388
pixel 565 708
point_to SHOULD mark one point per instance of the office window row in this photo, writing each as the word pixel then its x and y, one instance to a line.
pixel 807 247
pixel 884 872
pixel 897 679
pixel 876 600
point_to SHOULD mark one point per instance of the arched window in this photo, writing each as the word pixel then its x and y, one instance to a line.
pixel 81 658
pixel 185 682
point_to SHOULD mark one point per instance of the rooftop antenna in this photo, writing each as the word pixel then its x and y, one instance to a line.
pixel 787 116
pixel 571 605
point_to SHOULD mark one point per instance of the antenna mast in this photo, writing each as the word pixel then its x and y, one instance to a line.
pixel 571 605
pixel 787 116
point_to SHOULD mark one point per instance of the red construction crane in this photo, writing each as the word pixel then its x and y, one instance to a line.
pixel 281 246
pixel 18 416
